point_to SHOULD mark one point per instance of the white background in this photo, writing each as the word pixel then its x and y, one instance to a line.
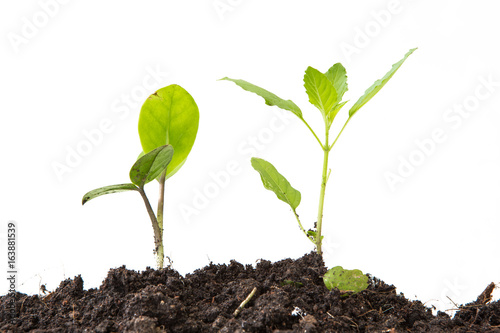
pixel 433 236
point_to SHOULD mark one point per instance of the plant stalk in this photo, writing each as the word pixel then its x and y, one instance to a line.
pixel 310 129
pixel 158 239
pixel 342 130
pixel 324 178
pixel 159 213
pixel 301 227
pixel 319 222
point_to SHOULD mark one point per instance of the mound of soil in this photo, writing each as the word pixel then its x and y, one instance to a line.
pixel 290 297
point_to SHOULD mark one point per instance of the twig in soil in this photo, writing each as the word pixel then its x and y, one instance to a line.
pixel 361 315
pixel 456 305
pixel 22 304
pixel 242 305
pixel 348 318
pixel 352 321
pixel 388 309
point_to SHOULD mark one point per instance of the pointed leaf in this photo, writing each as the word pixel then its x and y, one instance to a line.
pixel 338 77
pixel 334 112
pixel 107 190
pixel 141 154
pixel 375 88
pixel 151 165
pixel 275 182
pixel 345 280
pixel 169 116
pixel 320 90
pixel 270 98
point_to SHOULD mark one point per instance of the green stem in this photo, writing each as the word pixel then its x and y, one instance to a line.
pixel 305 122
pixel 301 227
pixel 319 222
pixel 347 121
pixel 157 233
pixel 161 200
pixel 324 178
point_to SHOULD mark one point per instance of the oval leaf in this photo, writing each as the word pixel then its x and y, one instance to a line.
pixel 345 280
pixel 375 88
pixel 270 98
pixel 321 92
pixel 107 190
pixel 275 182
pixel 151 165
pixel 169 116
pixel 141 154
pixel 338 77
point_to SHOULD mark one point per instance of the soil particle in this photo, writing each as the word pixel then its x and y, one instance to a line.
pixel 290 297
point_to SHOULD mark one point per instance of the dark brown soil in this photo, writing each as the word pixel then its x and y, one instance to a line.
pixel 205 301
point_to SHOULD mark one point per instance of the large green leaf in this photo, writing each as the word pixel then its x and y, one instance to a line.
pixel 275 182
pixel 169 116
pixel 107 190
pixel 375 88
pixel 320 90
pixel 345 280
pixel 151 165
pixel 270 98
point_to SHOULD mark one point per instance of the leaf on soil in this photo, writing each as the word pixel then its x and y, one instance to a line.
pixel 345 280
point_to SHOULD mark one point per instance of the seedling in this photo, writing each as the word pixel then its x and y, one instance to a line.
pixel 168 120
pixel 325 91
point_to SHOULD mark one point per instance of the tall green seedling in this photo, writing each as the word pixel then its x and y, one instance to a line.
pixel 168 122
pixel 325 92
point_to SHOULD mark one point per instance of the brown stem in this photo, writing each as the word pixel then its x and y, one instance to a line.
pixel 158 239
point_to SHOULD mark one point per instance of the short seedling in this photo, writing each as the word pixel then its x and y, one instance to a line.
pixel 168 120
pixel 325 91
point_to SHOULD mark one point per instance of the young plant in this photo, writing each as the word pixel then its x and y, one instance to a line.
pixel 168 120
pixel 325 91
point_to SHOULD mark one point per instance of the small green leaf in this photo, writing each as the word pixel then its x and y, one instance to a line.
pixel 338 77
pixel 270 98
pixel 151 165
pixel 313 234
pixel 107 190
pixel 345 280
pixel 375 88
pixel 275 182
pixel 159 176
pixel 333 113
pixel 321 92
pixel 169 116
